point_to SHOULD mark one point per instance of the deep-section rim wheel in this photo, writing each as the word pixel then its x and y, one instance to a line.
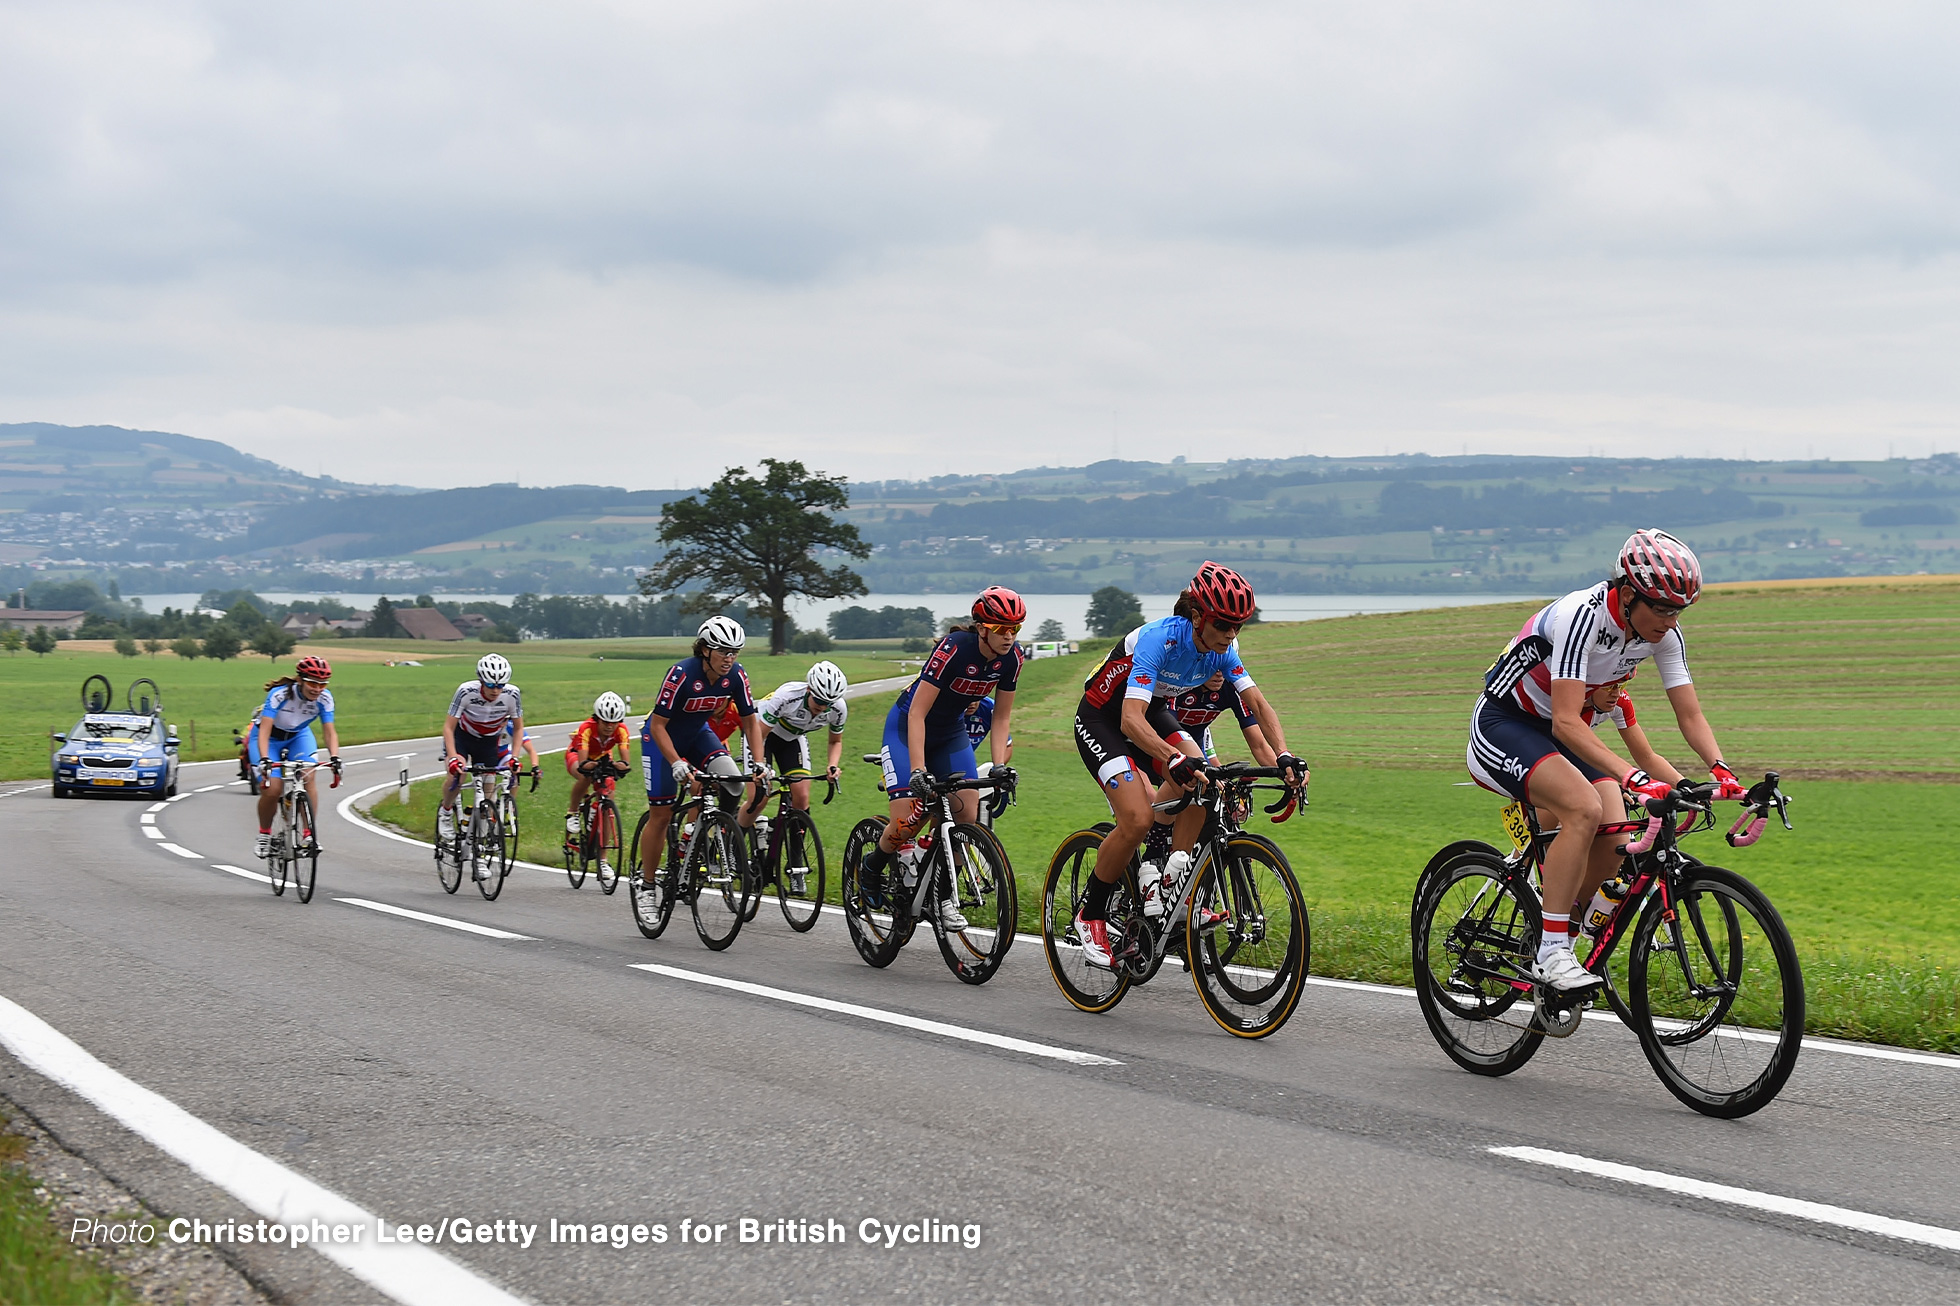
pixel 1251 968
pixel 1087 988
pixel 306 857
pixel 486 852
pixel 802 849
pixel 875 933
pixel 716 874
pixel 984 885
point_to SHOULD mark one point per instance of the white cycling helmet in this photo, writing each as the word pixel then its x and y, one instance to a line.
pixel 723 633
pixel 826 680
pixel 609 707
pixel 492 669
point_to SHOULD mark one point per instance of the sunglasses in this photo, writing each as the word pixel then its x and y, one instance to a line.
pixel 1661 610
pixel 1007 632
pixel 1229 627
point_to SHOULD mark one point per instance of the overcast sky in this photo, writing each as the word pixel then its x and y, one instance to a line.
pixel 453 243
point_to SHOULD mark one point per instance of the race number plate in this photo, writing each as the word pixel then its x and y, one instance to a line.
pixel 1516 826
pixel 108 780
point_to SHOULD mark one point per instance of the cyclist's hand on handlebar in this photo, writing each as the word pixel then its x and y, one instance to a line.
pixel 682 773
pixel 1727 786
pixel 1185 771
pixel 833 775
pixel 534 779
pixel 334 762
pixel 456 764
pixel 1292 770
pixel 921 782
pixel 1637 781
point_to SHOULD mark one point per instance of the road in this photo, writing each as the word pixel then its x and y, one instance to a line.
pixel 423 1072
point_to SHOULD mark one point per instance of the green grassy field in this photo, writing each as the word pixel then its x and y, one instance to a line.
pixel 36 1262
pixel 560 678
pixel 1866 882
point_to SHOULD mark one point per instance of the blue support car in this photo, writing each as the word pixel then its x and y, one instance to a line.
pixel 128 752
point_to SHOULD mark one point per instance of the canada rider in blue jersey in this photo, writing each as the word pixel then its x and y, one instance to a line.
pixel 1124 725
pixel 926 733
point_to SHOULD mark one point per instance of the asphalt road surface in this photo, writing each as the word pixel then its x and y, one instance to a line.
pixel 424 1073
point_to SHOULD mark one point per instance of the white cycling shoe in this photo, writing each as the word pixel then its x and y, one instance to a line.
pixel 1562 971
pixel 572 826
pixel 445 825
pixel 264 847
pixel 950 919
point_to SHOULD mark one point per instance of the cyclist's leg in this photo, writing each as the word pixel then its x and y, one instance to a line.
pixel 791 758
pixel 1106 753
pixel 269 791
pixel 907 813
pixel 308 749
pixel 1187 823
pixel 660 790
pixel 1603 862
pixel 950 757
pixel 580 787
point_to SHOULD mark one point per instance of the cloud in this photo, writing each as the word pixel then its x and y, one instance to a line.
pixel 939 235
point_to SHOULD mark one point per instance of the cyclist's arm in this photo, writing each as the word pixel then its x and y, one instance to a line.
pixel 1137 728
pixel 924 695
pixel 265 737
pixel 997 745
pixel 1262 752
pixel 1644 755
pixel 333 738
pixel 517 724
pixel 836 751
pixel 1694 726
pixel 1254 698
pixel 657 731
pixel 448 736
pixel 753 730
pixel 1569 728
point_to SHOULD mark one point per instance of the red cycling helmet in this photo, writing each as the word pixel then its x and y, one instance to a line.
pixel 999 606
pixel 1660 568
pixel 313 668
pixel 1221 593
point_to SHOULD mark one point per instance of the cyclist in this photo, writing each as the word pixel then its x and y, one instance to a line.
pixel 979 719
pixel 513 742
pixel 484 715
pixel 1124 724
pixel 601 735
pixel 1530 737
pixel 283 730
pixel 678 743
pixel 793 713
pixel 925 732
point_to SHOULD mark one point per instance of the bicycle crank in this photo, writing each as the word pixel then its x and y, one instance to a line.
pixel 1557 1014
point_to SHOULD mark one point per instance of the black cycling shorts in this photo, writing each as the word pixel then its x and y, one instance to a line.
pixel 1107 751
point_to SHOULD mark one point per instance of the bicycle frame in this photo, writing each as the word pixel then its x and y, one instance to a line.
pixel 775 786
pixel 289 771
pixel 939 816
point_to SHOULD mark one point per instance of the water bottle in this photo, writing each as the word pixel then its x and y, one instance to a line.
pixel 1604 904
pixel 909 859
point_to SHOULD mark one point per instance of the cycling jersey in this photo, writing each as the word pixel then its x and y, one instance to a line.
pixel 725 722
pixel 1161 660
pixel 962 672
pixel 690 696
pixel 979 719
pixel 1621 712
pixel 593 738
pixel 788 716
pixel 478 715
pixel 1196 709
pixel 292 711
pixel 1579 637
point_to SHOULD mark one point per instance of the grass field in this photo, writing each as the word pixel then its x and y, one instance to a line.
pixel 1866 882
pixel 36 1262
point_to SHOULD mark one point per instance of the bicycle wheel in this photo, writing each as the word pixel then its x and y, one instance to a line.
pixel 306 848
pixel 574 850
pixel 607 840
pixel 800 878
pixel 275 860
pixel 1474 934
pixel 983 885
pixel 507 819
pixel 866 897
pixel 756 854
pixel 1250 966
pixel 1088 988
pixel 486 852
pixel 1717 993
pixel 716 878
pixel 652 905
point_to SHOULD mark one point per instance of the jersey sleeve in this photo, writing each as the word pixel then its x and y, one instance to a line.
pixel 455 702
pixel 670 690
pixel 1247 718
pixel 1623 712
pixel 1010 675
pixel 744 697
pixel 1571 635
pixel 516 702
pixel 943 656
pixel 1235 673
pixel 1145 661
pixel 840 713
pixel 1671 660
pixel 326 706
pixel 272 696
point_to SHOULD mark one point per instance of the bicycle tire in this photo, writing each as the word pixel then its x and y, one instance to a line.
pixel 1250 968
pixel 1088 988
pixel 757 853
pixel 1474 923
pixel 983 884
pixel 306 850
pixel 652 905
pixel 574 850
pixel 611 850
pixel 802 853
pixel 1699 1017
pixel 449 858
pixel 486 852
pixel 716 879
pixel 876 940
pixel 507 820
pixel 275 860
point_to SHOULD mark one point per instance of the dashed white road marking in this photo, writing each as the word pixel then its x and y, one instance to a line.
pixel 151 832
pixel 213 788
pixel 470 926
pixel 240 870
pixel 960 1032
pixel 1843 1217
pixel 182 851
pixel 147 818
pixel 155 807
pixel 409 1273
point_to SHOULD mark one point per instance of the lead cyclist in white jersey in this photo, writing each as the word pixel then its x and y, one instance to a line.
pixel 483 715
pixel 792 714
pixel 1531 737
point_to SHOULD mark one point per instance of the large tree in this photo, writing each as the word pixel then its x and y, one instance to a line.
pixel 756 539
pixel 1113 611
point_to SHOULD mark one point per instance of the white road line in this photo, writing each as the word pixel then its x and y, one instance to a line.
pixel 240 870
pixel 347 812
pixel 361 761
pixel 886 1017
pixel 1843 1217
pixel 470 926
pixel 182 851
pixel 147 818
pixel 151 832
pixel 412 1273
pixel 213 788
pixel 155 807
pixel 178 798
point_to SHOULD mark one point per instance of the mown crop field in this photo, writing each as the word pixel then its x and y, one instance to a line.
pixel 1847 691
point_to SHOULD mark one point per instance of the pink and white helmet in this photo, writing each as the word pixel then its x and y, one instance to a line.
pixel 1660 568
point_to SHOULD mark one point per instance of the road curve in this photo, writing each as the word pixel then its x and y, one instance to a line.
pixel 423 1072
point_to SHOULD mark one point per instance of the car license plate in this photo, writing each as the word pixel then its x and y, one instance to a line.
pixel 108 780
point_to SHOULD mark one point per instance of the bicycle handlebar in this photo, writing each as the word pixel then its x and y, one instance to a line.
pixel 1695 798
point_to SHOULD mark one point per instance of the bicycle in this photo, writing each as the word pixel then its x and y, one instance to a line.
pixel 1239 915
pixel 960 860
pixel 707 865
pixel 295 847
pixel 598 836
pixel 786 851
pixel 1712 985
pixel 478 835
